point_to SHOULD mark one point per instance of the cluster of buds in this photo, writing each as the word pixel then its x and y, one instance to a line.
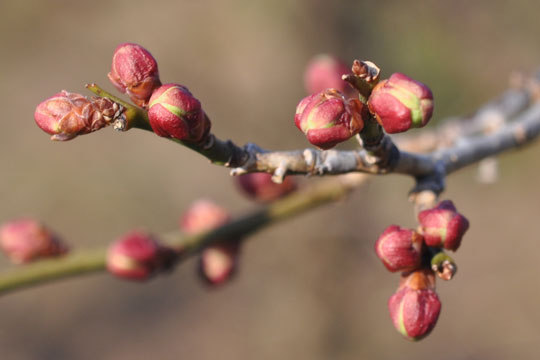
pixel 138 256
pixel 328 118
pixel 260 187
pixel 218 262
pixel 418 255
pixel 26 240
pixel 400 103
pixel 66 115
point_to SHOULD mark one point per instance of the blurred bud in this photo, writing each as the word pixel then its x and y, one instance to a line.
pixel 261 188
pixel 26 240
pixel 443 226
pixel 66 115
pixel 328 118
pixel 203 215
pixel 400 103
pixel 138 256
pixel 415 307
pixel 400 249
pixel 324 72
pixel 134 71
pixel 175 112
pixel 217 262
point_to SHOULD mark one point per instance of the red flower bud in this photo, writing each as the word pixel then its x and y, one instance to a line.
pixel 400 249
pixel 134 71
pixel 175 112
pixel 400 103
pixel 26 240
pixel 138 256
pixel 324 72
pixel 328 118
pixel 415 307
pixel 218 262
pixel 203 215
pixel 66 115
pixel 261 188
pixel 443 226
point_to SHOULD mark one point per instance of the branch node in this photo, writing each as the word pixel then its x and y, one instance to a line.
pixel 280 173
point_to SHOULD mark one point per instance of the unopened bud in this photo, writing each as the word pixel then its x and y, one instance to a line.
pixel 415 307
pixel 175 112
pixel 400 249
pixel 26 240
pixel 138 256
pixel 328 118
pixel 324 72
pixel 217 262
pixel 400 103
pixel 261 188
pixel 66 115
pixel 443 226
pixel 134 71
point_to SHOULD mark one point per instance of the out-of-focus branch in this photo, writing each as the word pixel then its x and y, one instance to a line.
pixel 93 261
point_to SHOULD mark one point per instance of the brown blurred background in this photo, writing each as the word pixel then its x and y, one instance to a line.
pixel 309 288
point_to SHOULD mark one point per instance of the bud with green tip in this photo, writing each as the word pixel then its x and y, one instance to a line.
pixel 138 256
pixel 400 249
pixel 328 118
pixel 443 226
pixel 26 240
pixel 415 307
pixel 134 71
pixel 174 112
pixel 261 188
pixel 400 103
pixel 66 115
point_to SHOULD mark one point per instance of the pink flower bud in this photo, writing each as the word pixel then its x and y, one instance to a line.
pixel 261 188
pixel 415 307
pixel 203 215
pixel 400 249
pixel 175 112
pixel 134 71
pixel 66 115
pixel 443 226
pixel 26 240
pixel 400 103
pixel 324 72
pixel 218 262
pixel 138 256
pixel 328 118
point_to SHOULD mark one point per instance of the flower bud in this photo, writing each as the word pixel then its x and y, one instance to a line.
pixel 203 215
pixel 415 307
pixel 400 249
pixel 66 115
pixel 137 256
pixel 175 112
pixel 324 72
pixel 26 240
pixel 400 103
pixel 261 188
pixel 443 226
pixel 134 71
pixel 328 118
pixel 217 262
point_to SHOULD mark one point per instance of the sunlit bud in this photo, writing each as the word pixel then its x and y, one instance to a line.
pixel 134 71
pixel 400 249
pixel 443 226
